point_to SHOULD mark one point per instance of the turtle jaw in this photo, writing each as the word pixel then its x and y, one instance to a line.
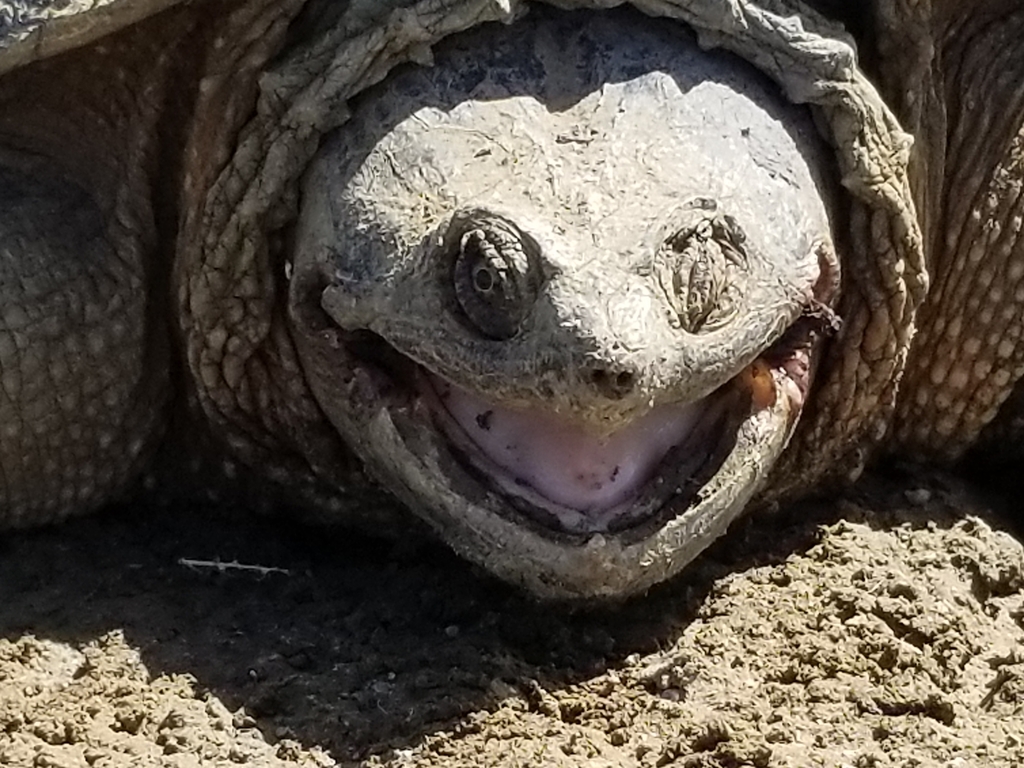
pixel 501 533
pixel 389 404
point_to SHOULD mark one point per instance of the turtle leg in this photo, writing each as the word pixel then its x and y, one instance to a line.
pixel 80 392
pixel 965 105
pixel 999 365
pixel 964 384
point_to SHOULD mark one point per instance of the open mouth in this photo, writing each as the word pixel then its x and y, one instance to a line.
pixel 567 479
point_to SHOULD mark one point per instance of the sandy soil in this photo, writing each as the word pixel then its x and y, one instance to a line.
pixel 885 629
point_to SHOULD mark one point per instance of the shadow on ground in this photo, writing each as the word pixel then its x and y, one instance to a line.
pixel 355 645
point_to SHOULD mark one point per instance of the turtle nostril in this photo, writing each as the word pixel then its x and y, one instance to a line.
pixel 612 385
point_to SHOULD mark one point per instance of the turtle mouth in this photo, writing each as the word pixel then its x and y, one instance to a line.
pixel 559 478
pixel 565 477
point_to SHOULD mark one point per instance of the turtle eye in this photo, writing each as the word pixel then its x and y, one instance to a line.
pixel 492 279
pixel 699 265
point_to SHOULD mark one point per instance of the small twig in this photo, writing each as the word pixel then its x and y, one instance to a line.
pixel 234 565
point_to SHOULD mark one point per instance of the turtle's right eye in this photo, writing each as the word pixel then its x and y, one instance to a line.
pixel 493 278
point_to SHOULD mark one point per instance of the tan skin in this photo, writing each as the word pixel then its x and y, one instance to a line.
pixel 967 175
pixel 954 84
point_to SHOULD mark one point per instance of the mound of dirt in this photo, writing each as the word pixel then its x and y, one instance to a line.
pixel 885 629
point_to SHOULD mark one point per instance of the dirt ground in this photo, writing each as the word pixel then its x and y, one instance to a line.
pixel 883 629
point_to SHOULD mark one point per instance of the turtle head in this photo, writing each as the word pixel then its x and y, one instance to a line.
pixel 562 293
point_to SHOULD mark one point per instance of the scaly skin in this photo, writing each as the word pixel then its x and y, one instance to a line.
pixel 83 351
pixel 969 171
pixel 72 346
pixel 191 146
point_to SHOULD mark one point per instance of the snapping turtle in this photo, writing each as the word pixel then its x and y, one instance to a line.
pixel 577 287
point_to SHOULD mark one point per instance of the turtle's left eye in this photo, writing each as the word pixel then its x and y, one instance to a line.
pixel 699 263
pixel 492 279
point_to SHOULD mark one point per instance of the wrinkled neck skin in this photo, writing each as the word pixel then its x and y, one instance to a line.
pixel 564 292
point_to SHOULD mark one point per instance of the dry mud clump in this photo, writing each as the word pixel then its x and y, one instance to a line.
pixel 886 629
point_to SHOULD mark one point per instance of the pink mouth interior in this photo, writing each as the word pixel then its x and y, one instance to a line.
pixel 564 462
